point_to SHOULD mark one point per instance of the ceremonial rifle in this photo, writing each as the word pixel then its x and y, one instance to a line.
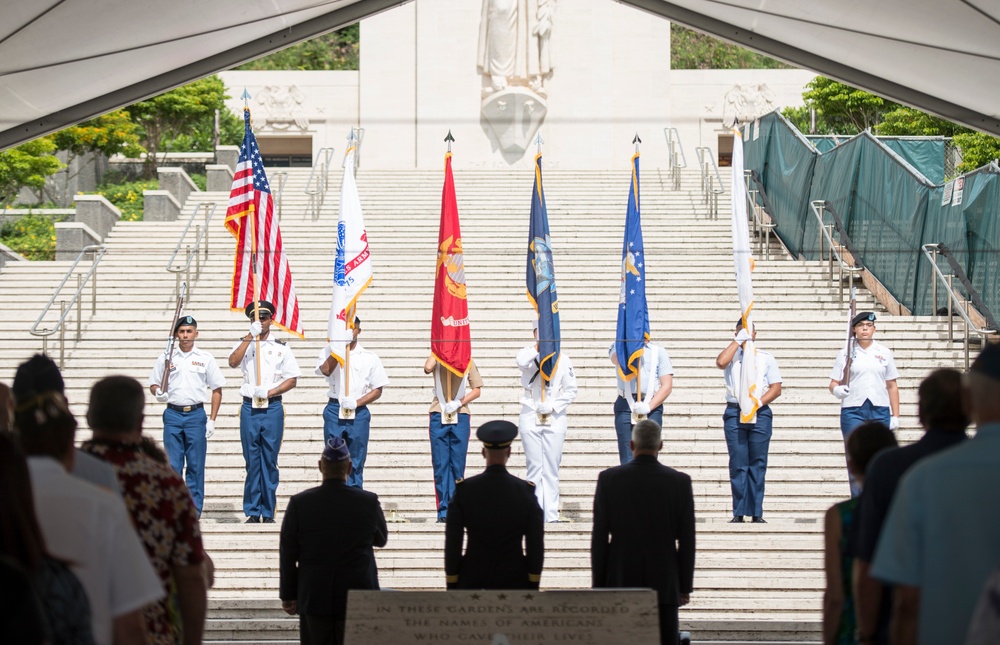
pixel 846 378
pixel 173 337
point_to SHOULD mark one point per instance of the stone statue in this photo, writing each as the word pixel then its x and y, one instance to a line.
pixel 514 47
pixel 280 106
pixel 744 103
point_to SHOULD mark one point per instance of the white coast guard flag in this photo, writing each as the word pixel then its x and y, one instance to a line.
pixel 352 269
pixel 748 389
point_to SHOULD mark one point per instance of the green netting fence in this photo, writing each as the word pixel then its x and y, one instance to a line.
pixel 890 196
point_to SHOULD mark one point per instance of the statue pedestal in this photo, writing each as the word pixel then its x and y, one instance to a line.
pixel 514 114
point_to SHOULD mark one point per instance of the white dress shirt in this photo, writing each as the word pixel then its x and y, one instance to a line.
pixel 193 376
pixel 870 369
pixel 767 374
pixel 277 364
pixel 650 381
pixel 367 374
pixel 561 390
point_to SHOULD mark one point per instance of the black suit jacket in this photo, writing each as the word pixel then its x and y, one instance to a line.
pixel 497 510
pixel 326 547
pixel 644 529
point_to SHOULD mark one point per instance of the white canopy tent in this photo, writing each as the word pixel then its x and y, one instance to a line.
pixel 64 61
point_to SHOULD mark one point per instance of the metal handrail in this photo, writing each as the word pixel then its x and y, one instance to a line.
pixel 673 148
pixel 278 178
pixel 319 181
pixel 193 254
pixel 708 182
pixel 98 251
pixel 826 231
pixel 931 253
pixel 758 211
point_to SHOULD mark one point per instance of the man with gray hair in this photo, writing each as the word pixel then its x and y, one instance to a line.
pixel 644 528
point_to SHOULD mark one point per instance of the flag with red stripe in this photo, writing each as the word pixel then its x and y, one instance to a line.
pixel 260 263
pixel 451 339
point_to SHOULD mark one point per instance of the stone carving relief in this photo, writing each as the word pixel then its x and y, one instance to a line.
pixel 280 107
pixel 515 59
pixel 744 103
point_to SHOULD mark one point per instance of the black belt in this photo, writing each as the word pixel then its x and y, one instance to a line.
pixel 273 399
pixel 186 408
pixel 736 406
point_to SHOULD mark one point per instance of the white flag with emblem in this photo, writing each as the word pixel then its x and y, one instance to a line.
pixel 352 268
pixel 746 380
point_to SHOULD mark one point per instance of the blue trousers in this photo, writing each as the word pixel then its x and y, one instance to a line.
pixel 353 431
pixel 748 444
pixel 449 447
pixel 184 440
pixel 261 431
pixel 623 426
pixel 851 418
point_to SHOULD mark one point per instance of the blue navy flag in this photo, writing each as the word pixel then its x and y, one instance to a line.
pixel 633 315
pixel 541 279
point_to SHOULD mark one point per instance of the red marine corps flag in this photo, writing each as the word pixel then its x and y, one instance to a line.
pixel 451 340
pixel 260 268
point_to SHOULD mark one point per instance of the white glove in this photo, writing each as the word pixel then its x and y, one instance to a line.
pixel 743 336
pixel 348 403
pixel 209 429
pixel 641 408
pixel 451 407
pixel 161 396
pixel 894 423
pixel 841 391
pixel 544 407
pixel 256 328
pixel 260 392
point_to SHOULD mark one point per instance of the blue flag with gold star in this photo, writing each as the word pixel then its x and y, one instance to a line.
pixel 541 279
pixel 633 315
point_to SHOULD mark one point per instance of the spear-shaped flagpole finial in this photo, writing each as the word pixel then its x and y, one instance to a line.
pixel 352 137
pixel 636 140
pixel 449 139
pixel 246 97
pixel 538 143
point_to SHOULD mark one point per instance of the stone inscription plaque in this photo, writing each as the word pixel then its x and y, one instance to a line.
pixel 502 617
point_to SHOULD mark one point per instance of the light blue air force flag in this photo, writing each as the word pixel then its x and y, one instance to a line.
pixel 633 315
pixel 541 279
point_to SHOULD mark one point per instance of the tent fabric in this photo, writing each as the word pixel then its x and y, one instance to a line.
pixel 889 209
pixel 926 154
pixel 65 61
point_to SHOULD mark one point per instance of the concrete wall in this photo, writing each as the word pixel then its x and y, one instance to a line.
pixel 419 79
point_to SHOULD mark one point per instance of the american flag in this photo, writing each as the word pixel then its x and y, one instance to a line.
pixel 251 196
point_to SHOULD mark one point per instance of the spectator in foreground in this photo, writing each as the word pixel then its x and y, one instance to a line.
pixel 643 532
pixel 326 548
pixel 839 620
pixel 941 540
pixel 160 506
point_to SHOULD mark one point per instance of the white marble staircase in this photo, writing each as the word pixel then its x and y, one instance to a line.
pixel 753 582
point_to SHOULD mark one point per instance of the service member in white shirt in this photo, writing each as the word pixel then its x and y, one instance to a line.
pixel 872 394
pixel 543 423
pixel 748 443
pixel 262 416
pixel 195 379
pixel 657 382
pixel 368 377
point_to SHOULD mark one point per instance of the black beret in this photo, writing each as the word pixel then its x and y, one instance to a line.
pixel 862 317
pixel 185 320
pixel 988 361
pixel 496 434
pixel 263 305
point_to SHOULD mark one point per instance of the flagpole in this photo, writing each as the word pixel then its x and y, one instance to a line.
pixel 256 286
pixel 638 375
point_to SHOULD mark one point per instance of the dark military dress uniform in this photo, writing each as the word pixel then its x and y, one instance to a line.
pixel 497 510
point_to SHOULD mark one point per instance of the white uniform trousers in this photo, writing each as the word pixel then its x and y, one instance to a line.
pixel 543 454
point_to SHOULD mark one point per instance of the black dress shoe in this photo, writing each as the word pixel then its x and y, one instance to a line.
pixel 758 520
pixel 270 520
pixel 253 519
pixel 736 520
pixel 441 520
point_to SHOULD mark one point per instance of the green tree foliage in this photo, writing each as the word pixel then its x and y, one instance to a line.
pixel 691 49
pixel 801 118
pixel 188 111
pixel 911 122
pixel 33 236
pixel 845 109
pixel 26 166
pixel 336 50
pixel 978 149
pixel 127 197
